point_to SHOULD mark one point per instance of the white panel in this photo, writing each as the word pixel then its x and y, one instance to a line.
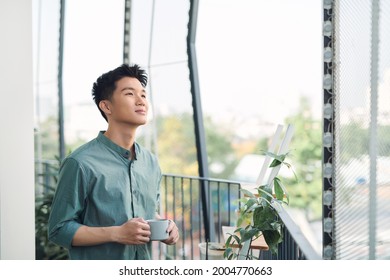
pixel 17 234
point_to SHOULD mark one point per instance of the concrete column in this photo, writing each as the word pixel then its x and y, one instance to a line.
pixel 17 234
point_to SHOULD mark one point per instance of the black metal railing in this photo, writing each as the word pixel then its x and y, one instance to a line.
pixel 295 246
pixel 181 202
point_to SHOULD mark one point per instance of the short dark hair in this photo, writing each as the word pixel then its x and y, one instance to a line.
pixel 105 85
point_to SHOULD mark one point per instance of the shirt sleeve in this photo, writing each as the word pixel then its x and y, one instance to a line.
pixel 68 203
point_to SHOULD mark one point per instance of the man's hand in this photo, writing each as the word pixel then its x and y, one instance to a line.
pixel 173 234
pixel 134 232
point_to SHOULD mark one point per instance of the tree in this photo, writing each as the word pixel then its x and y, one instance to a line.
pixel 177 147
pixel 306 155
pixel 220 152
pixel 176 144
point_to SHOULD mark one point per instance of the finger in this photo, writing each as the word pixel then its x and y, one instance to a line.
pixel 144 239
pixel 141 220
pixel 145 226
pixel 174 237
pixel 145 232
pixel 172 226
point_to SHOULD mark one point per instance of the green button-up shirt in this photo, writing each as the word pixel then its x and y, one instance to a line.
pixel 99 185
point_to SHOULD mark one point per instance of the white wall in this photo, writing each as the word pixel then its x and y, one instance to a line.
pixel 17 233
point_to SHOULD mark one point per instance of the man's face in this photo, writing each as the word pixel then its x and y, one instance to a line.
pixel 129 104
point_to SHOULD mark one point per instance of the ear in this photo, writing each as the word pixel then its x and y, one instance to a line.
pixel 104 105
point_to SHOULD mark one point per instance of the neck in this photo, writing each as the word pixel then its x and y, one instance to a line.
pixel 122 137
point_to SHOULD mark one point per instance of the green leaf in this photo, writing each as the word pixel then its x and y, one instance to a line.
pixel 263 217
pixel 280 157
pixel 250 203
pixel 247 193
pixel 248 234
pixel 279 192
pixel 275 163
pixel 279 187
pixel 240 220
pixel 237 239
pixel 273 238
pixel 228 241
pixel 265 191
pixel 277 159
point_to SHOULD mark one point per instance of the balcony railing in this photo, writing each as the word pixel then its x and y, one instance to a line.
pixel 181 200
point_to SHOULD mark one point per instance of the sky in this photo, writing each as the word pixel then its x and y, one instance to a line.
pixel 270 47
pixel 255 58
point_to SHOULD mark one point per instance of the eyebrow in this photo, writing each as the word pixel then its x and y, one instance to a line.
pixel 131 88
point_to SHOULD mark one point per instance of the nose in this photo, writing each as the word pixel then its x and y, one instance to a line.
pixel 140 101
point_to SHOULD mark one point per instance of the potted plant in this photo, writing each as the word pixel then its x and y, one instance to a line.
pixel 46 249
pixel 258 214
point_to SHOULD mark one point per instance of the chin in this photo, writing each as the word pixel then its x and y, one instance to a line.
pixel 142 123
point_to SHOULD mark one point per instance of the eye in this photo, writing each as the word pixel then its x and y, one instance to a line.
pixel 129 93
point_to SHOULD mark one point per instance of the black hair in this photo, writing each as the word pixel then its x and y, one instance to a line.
pixel 105 85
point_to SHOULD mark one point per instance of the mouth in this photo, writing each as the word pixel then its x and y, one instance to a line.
pixel 142 112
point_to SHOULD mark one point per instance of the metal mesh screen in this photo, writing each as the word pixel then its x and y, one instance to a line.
pixel 362 129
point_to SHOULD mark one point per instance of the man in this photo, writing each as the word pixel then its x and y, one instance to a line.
pixel 110 186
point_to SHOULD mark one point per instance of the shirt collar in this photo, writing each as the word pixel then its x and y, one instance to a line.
pixel 122 151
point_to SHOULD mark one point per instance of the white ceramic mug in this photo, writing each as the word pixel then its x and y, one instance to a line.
pixel 158 229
